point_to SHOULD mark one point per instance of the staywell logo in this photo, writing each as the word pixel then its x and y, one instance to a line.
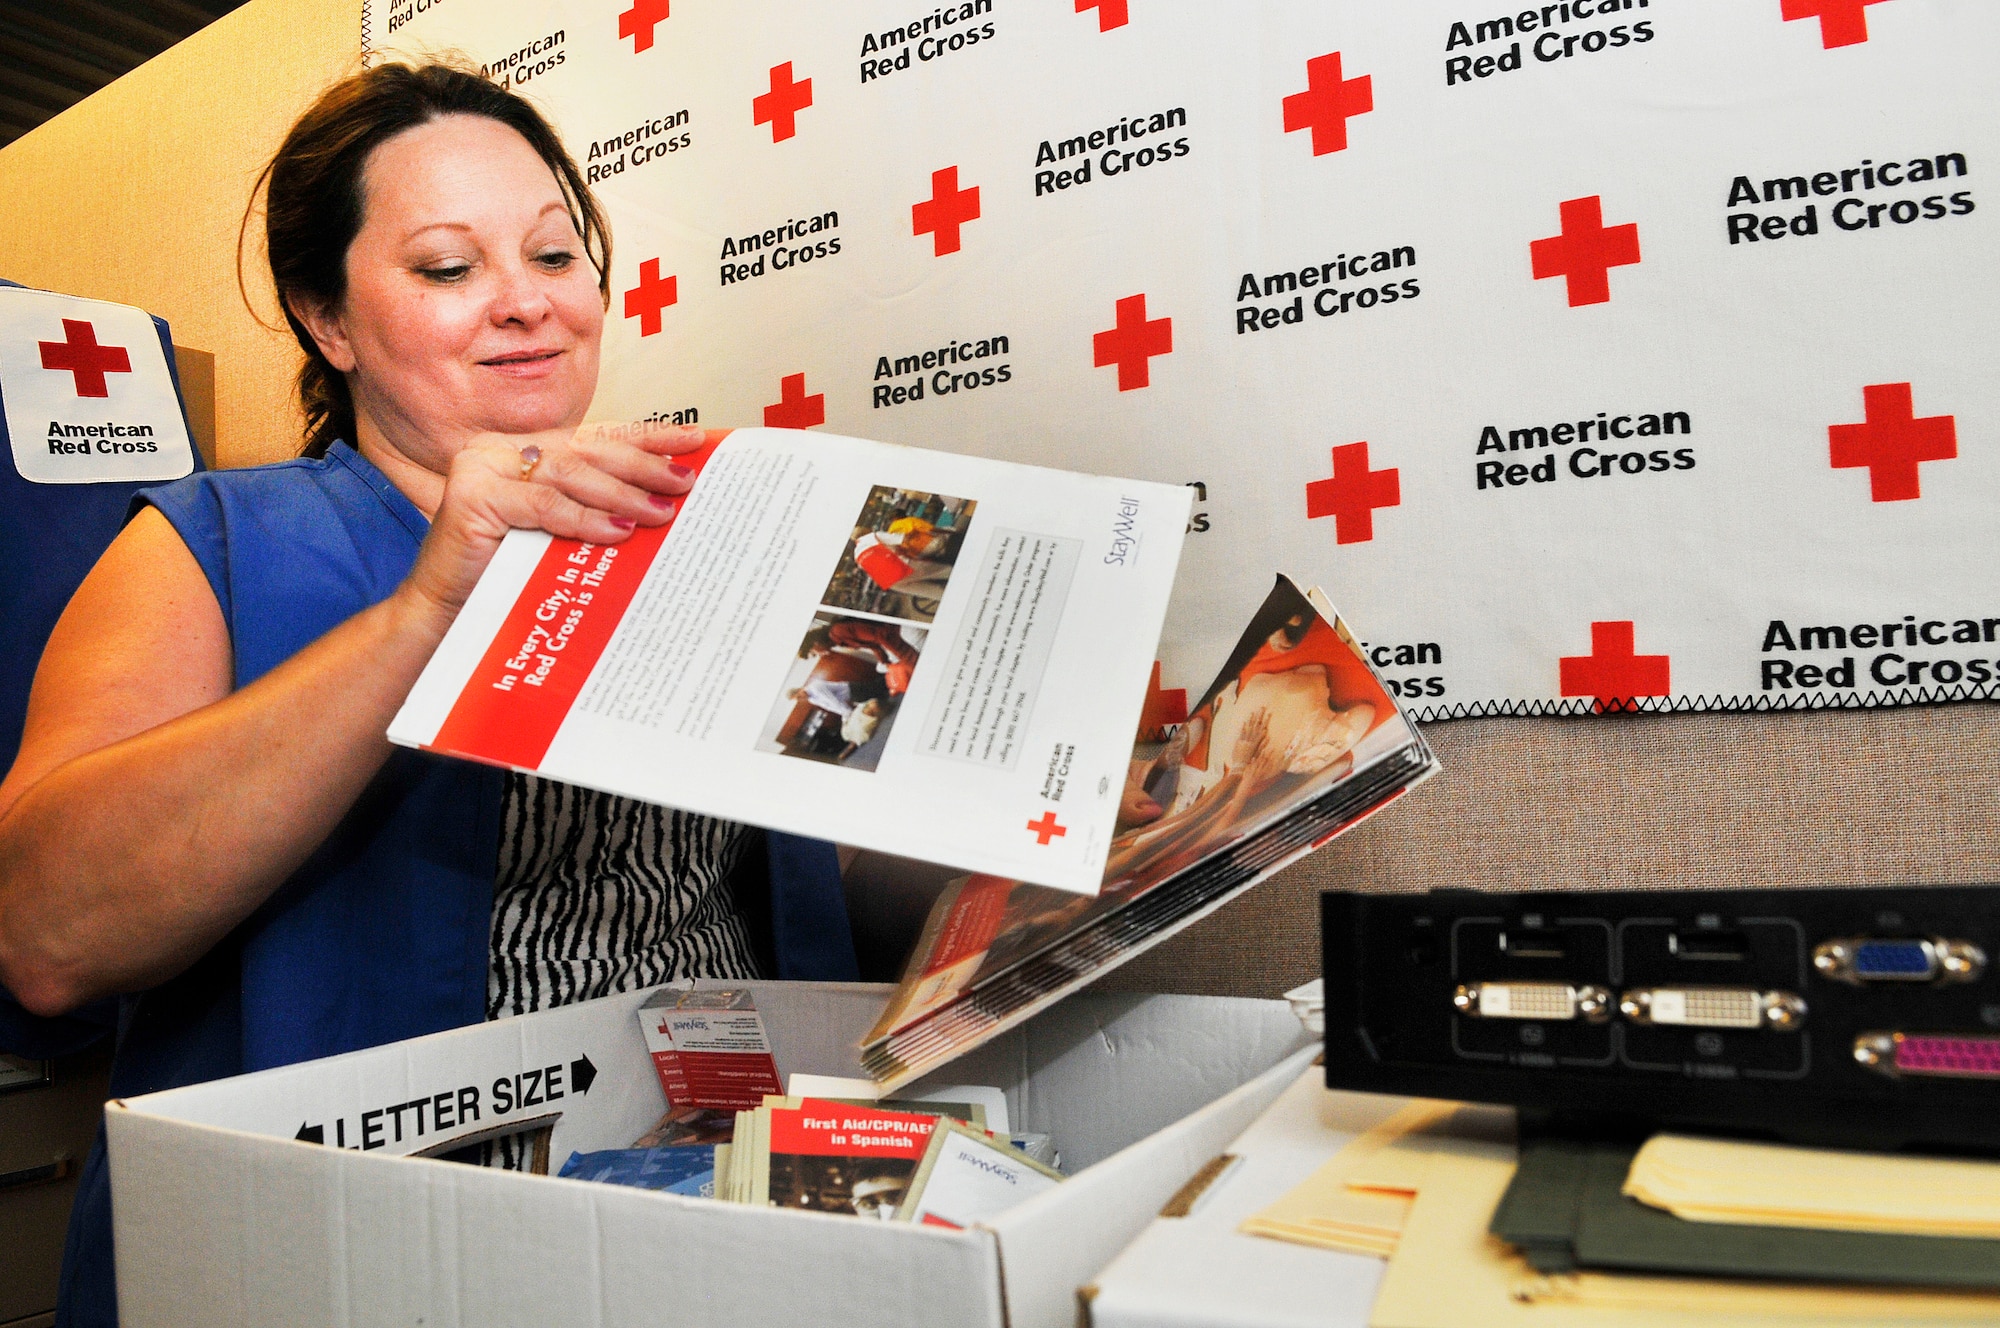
pixel 1125 536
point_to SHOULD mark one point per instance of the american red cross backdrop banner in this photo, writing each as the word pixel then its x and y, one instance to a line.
pixel 1601 354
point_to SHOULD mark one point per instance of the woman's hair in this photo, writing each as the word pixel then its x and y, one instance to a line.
pixel 314 201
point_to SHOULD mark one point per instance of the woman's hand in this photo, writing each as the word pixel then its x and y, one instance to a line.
pixel 594 484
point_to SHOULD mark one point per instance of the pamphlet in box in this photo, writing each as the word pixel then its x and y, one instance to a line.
pixel 225 1214
pixel 710 1049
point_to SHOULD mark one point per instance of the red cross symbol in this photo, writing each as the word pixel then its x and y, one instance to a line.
pixel 1110 13
pixel 1132 344
pixel 948 208
pixel 1353 494
pixel 779 108
pixel 1611 672
pixel 637 23
pixel 1327 102
pixel 1892 442
pixel 645 300
pixel 794 409
pixel 1586 251
pixel 1047 829
pixel 1841 22
pixel 1163 707
pixel 80 354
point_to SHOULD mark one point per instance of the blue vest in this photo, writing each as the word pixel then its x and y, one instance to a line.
pixel 383 933
pixel 51 535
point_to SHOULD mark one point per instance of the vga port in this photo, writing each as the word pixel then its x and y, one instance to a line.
pixel 1940 1055
pixel 1713 1007
pixel 1549 1001
pixel 1864 959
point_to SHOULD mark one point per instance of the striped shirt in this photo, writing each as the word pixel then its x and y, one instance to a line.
pixel 597 894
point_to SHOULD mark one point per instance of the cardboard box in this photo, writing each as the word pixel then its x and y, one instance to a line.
pixel 1201 1268
pixel 224 1214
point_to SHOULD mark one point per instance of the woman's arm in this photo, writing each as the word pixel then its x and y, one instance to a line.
pixel 151 808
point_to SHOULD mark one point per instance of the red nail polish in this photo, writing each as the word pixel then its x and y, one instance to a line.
pixel 624 522
pixel 679 471
pixel 661 500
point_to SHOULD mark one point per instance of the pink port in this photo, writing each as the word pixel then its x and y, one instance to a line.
pixel 1976 1057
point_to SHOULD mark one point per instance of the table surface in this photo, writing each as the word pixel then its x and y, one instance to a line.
pixel 1200 1270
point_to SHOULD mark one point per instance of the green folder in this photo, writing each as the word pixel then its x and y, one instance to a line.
pixel 1564 1211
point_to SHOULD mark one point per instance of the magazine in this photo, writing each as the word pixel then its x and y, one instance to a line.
pixel 937 656
pixel 1296 741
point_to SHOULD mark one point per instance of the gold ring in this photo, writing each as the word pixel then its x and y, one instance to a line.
pixel 531 456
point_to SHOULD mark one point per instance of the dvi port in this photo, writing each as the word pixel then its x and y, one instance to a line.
pixel 1713 1007
pixel 1863 959
pixel 1549 1001
pixel 1940 1055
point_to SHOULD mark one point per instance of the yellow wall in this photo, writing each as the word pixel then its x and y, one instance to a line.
pixel 135 194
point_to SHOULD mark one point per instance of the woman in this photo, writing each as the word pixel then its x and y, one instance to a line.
pixel 204 808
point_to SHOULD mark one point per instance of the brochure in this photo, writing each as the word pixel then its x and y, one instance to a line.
pixel 937 656
pixel 829 1157
pixel 1296 741
pixel 686 1169
pixel 709 1048
pixel 967 1177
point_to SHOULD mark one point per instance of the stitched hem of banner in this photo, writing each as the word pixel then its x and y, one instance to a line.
pixel 1678 705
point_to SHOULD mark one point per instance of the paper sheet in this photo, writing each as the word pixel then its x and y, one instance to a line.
pixel 1358 1201
pixel 1721 1180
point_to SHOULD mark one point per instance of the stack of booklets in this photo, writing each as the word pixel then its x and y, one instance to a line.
pixel 1294 742
pixel 947 1159
pixel 868 1159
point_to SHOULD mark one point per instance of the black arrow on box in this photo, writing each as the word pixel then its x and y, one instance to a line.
pixel 311 1134
pixel 582 1074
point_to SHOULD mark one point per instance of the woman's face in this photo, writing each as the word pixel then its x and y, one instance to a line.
pixel 471 306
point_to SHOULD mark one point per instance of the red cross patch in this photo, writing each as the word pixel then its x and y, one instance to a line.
pixel 1611 672
pixel 79 354
pixel 645 300
pixel 1891 441
pixel 780 107
pixel 793 408
pixel 1841 22
pixel 948 208
pixel 1586 251
pixel 1132 343
pixel 1047 828
pixel 1327 102
pixel 1110 13
pixel 638 23
pixel 1164 707
pixel 1351 496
